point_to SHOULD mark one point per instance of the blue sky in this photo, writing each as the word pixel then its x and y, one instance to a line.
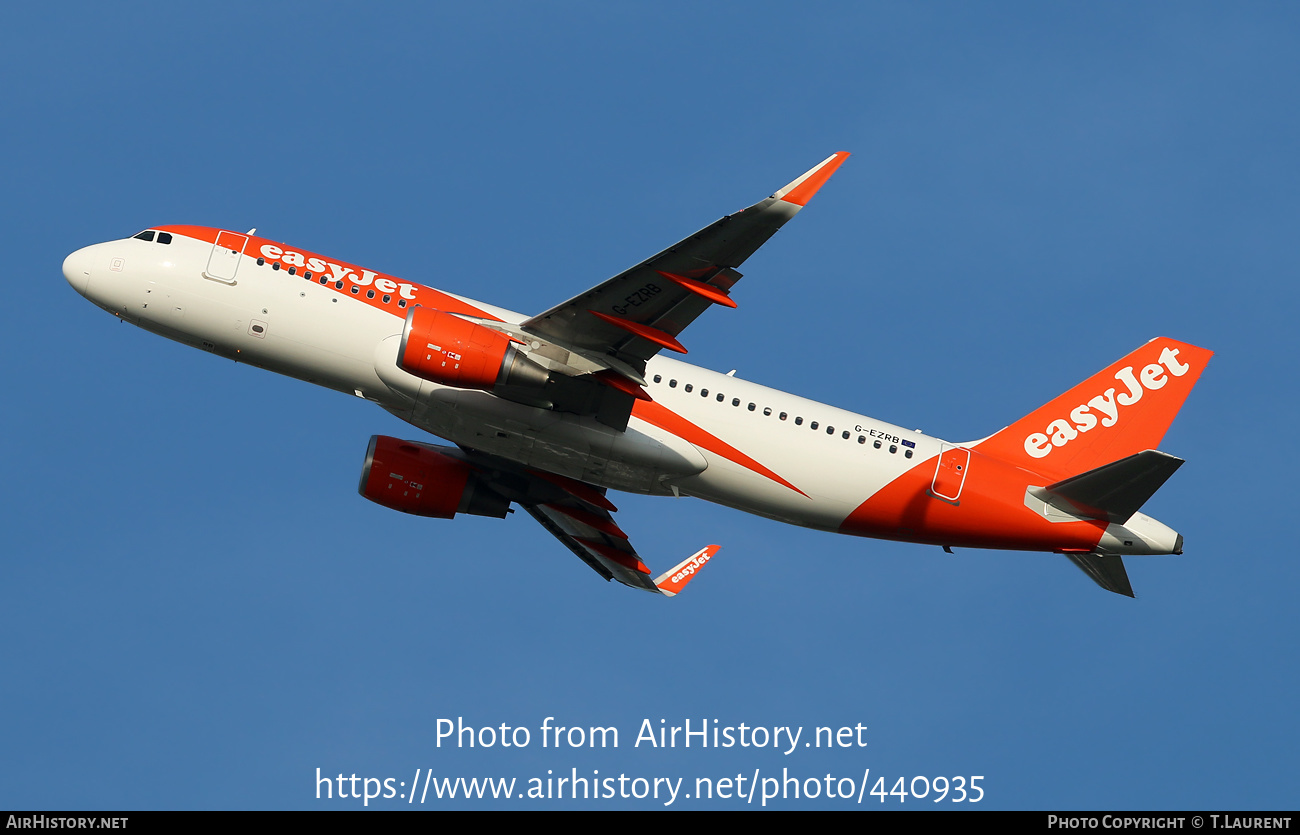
pixel 199 611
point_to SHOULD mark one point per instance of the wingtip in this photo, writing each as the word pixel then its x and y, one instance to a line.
pixel 802 189
pixel 672 581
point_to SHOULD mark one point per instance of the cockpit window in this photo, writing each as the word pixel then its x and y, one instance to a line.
pixel 164 237
pixel 146 235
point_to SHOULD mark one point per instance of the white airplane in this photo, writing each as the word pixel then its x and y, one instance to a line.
pixel 551 411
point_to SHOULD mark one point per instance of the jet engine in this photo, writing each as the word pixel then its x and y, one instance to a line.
pixel 447 349
pixel 425 481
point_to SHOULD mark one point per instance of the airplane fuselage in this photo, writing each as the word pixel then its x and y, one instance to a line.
pixel 703 434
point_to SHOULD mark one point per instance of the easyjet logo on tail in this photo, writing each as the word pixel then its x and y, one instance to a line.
pixel 1105 408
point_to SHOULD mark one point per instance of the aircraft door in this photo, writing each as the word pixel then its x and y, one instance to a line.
pixel 223 263
pixel 950 473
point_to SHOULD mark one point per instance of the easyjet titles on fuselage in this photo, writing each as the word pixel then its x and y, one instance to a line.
pixel 338 272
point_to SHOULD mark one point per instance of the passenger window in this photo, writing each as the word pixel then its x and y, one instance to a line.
pixel 164 237
pixel 893 448
pixel 907 453
pixel 735 401
pixel 876 445
pixel 798 421
pixel 306 275
pixel 767 411
pixel 261 262
pixel 783 416
pixel 845 434
pixel 704 392
pixel 751 407
pixel 355 290
pixel 370 294
pixel 812 425
pixel 387 298
pixel 721 397
pixel 324 280
pixel 659 378
pixel 672 384
pixel 338 285
pixel 275 265
pixel 293 271
pixel 862 439
pixel 401 302
pixel 689 388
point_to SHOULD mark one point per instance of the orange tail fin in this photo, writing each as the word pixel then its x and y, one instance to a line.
pixel 1118 412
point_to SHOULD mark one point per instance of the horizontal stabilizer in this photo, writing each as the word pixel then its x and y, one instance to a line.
pixel 1107 572
pixel 1117 490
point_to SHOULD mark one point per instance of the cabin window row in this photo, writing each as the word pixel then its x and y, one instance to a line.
pixel 767 412
pixel 338 285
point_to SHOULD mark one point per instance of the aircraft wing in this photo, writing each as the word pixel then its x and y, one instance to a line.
pixel 596 540
pixel 582 518
pixel 642 310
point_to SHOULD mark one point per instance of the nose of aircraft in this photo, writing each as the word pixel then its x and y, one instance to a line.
pixel 76 269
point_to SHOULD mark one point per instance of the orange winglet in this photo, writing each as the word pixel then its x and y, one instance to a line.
pixel 699 288
pixel 577 489
pixel 623 558
pixel 591 520
pixel 617 381
pixel 672 581
pixel 801 190
pixel 654 335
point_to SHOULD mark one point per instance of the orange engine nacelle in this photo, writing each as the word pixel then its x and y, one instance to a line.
pixel 447 349
pixel 425 481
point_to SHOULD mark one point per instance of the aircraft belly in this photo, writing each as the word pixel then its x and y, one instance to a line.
pixel 572 446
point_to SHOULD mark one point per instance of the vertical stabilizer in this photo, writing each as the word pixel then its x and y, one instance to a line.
pixel 1118 412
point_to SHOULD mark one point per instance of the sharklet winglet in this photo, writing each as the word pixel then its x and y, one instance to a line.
pixel 672 581
pixel 802 190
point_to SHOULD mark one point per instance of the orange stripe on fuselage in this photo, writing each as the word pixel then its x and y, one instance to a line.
pixel 989 513
pixel 336 271
pixel 663 417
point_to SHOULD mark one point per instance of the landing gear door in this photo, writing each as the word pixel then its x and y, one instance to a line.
pixel 223 263
pixel 950 473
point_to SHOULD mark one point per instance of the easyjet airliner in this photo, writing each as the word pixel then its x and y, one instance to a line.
pixel 551 411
